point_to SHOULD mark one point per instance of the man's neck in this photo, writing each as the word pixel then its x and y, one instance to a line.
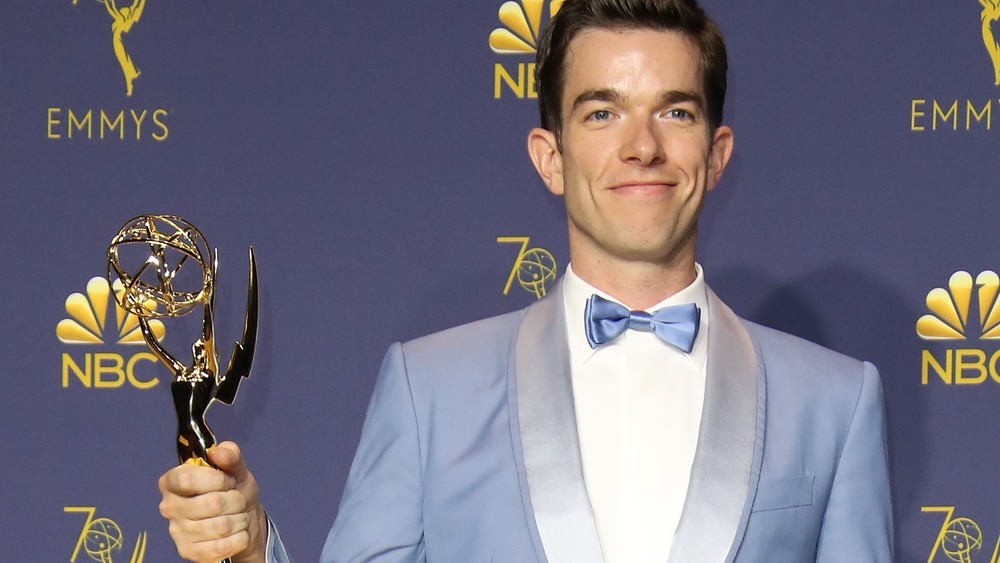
pixel 637 285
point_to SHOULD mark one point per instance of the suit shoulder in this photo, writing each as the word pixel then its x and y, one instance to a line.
pixel 806 381
pixel 467 341
pixel 791 346
pixel 784 356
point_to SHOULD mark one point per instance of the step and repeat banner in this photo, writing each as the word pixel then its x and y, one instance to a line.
pixel 373 154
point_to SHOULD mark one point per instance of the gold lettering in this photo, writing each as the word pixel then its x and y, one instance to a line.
pixel 500 76
pixel 914 114
pixel 68 365
pixel 110 124
pixel 108 363
pixel 928 360
pixel 532 93
pixel 53 122
pixel 517 261
pixel 948 510
pixel 89 511
pixel 158 116
pixel 952 113
pixel 978 365
pixel 970 112
pixel 118 123
pixel 138 122
pixel 993 366
pixel 105 370
pixel 79 125
pixel 130 371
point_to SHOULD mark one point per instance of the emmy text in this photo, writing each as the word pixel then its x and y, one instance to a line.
pixel 65 123
pixel 956 115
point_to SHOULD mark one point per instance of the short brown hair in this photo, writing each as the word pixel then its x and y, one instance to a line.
pixel 684 16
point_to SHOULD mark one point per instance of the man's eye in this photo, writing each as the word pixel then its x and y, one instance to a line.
pixel 600 115
pixel 677 113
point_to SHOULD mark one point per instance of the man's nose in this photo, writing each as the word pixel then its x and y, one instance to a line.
pixel 643 143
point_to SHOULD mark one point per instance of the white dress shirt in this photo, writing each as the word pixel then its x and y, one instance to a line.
pixel 638 407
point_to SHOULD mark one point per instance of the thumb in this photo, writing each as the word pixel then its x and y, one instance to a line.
pixel 227 457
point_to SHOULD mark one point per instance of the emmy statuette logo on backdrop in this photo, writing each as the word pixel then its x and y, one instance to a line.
pixel 122 20
pixel 67 122
pixel 965 112
pixel 990 16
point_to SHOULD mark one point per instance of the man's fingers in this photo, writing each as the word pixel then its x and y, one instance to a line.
pixel 201 507
pixel 228 457
pixel 190 480
pixel 211 539
pixel 210 551
pixel 214 513
pixel 209 529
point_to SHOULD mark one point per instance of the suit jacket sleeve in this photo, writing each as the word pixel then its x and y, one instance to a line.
pixel 380 516
pixel 857 524
pixel 275 548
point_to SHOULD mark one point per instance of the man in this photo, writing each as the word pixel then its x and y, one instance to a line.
pixel 545 435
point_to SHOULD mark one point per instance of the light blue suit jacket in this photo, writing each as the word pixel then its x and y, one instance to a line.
pixel 469 452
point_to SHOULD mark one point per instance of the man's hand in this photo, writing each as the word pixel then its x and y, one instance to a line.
pixel 215 514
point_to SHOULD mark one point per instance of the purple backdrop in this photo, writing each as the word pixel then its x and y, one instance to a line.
pixel 373 153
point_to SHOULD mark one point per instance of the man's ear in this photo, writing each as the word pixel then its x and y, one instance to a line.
pixel 544 152
pixel 719 153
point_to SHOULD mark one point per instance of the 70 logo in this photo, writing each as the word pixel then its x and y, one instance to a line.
pixel 101 537
pixel 534 268
pixel 959 538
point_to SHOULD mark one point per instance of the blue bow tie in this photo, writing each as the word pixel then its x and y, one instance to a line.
pixel 676 325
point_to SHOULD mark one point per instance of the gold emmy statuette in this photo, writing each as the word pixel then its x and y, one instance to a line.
pixel 167 270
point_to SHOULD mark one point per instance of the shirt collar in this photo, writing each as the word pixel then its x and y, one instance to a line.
pixel 576 292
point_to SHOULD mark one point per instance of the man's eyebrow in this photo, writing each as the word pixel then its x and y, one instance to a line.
pixel 681 96
pixel 596 95
pixel 669 97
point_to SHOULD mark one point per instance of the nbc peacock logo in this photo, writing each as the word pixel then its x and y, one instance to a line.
pixel 956 313
pixel 91 322
pixel 88 322
pixel 518 35
pixel 949 318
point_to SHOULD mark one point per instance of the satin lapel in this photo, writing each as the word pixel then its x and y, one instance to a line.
pixel 550 447
pixel 730 444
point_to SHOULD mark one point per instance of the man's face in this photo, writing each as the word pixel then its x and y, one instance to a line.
pixel 637 155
